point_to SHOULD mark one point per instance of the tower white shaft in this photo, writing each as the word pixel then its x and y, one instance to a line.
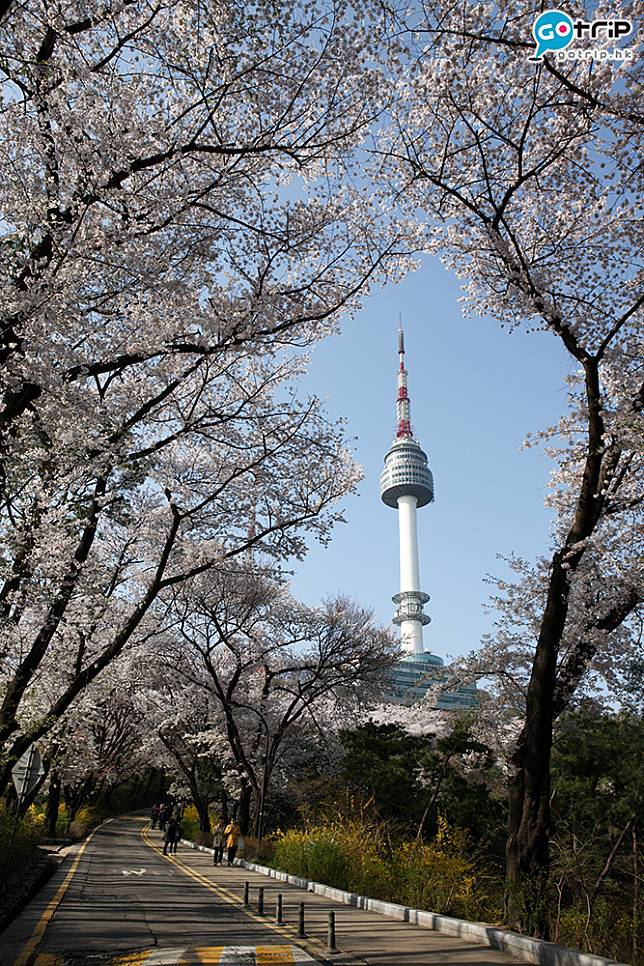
pixel 409 567
pixel 411 631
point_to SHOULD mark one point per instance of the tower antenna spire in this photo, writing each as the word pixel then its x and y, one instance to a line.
pixel 403 406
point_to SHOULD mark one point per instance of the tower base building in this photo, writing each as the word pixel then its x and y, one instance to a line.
pixel 415 674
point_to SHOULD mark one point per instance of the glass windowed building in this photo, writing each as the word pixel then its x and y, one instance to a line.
pixel 415 674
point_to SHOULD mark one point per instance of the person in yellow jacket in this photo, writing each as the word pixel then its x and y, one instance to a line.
pixel 232 833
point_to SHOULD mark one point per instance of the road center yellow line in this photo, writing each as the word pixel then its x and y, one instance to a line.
pixel 36 937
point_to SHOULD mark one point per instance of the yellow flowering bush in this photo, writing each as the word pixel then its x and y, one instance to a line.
pixel 349 855
pixel 357 855
pixel 439 875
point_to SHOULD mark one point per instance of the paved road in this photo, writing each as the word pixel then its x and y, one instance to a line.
pixel 118 900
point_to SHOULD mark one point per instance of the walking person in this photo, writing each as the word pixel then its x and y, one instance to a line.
pixel 177 833
pixel 155 815
pixel 232 832
pixel 171 837
pixel 218 843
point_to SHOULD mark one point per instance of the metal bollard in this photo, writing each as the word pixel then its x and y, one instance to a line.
pixel 260 900
pixel 246 888
pixel 330 935
pixel 300 920
pixel 279 921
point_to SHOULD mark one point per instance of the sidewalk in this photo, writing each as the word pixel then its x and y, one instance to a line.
pixel 363 938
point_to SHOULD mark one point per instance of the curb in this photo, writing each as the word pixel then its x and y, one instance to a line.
pixel 524 947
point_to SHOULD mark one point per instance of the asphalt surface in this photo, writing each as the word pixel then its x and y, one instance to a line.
pixel 118 900
pixel 126 896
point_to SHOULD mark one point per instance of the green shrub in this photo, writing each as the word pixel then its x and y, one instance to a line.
pixel 24 851
pixel 609 932
pixel 190 828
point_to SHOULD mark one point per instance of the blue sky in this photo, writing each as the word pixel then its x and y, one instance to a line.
pixel 476 391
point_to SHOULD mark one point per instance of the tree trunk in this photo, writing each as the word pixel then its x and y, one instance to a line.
pixel 10 799
pixel 260 802
pixel 75 798
pixel 243 808
pixel 53 805
pixel 528 846
pixel 636 894
pixel 149 780
pixel 432 800
pixel 528 849
pixel 204 818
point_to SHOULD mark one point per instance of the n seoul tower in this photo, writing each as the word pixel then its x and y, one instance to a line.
pixel 406 483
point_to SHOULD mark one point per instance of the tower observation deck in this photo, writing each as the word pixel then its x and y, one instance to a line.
pixel 406 483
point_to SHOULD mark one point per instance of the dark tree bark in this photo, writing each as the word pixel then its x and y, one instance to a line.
pixel 636 893
pixel 243 807
pixel 75 798
pixel 53 805
pixel 549 693
pixel 202 811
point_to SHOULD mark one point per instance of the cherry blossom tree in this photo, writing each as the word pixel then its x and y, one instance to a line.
pixel 528 173
pixel 275 673
pixel 184 206
pixel 98 744
pixel 146 536
pixel 187 731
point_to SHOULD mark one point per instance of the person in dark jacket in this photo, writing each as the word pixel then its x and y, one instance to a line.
pixel 172 836
pixel 218 843
pixel 177 834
